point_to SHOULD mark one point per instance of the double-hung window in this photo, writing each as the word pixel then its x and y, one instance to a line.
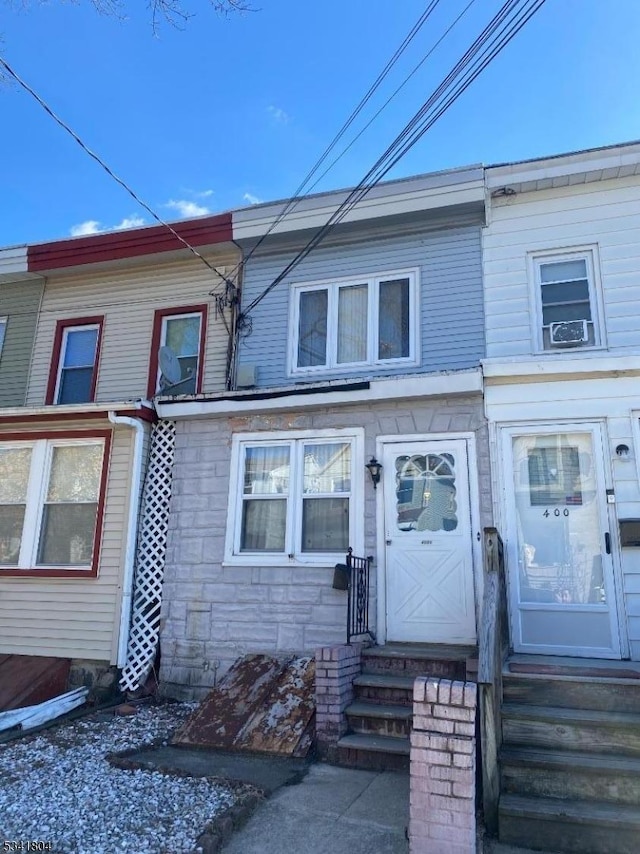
pixel 51 494
pixel 3 332
pixel 357 322
pixel 568 301
pixel 74 366
pixel 294 498
pixel 181 332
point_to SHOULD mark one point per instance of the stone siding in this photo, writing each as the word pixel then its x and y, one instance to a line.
pixel 212 613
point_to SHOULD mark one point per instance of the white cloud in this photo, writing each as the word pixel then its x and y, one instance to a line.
pixel 253 200
pixel 91 226
pixel 203 194
pixel 186 208
pixel 278 114
pixel 130 222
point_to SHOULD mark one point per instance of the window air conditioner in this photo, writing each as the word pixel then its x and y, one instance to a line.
pixel 568 333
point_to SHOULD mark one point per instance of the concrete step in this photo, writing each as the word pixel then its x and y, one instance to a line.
pixel 373 752
pixel 418 660
pixel 579 827
pixel 380 719
pixel 570 775
pixel 380 688
pixel 572 692
pixel 587 730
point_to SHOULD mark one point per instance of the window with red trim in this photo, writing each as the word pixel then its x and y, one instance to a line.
pixel 74 366
pixel 51 503
pixel 182 332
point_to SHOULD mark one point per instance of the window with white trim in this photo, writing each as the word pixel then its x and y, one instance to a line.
pixel 181 333
pixel 77 364
pixel 357 322
pixel 568 307
pixel 49 501
pixel 294 498
pixel 3 331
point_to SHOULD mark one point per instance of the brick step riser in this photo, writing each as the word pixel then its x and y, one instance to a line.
pixel 379 665
pixel 570 783
pixel 368 760
pixel 384 696
pixel 380 726
pixel 601 697
pixel 567 837
pixel 571 735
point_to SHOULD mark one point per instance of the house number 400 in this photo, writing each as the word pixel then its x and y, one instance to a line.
pixel 556 512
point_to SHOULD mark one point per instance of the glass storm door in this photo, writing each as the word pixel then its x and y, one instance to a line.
pixel 560 562
pixel 429 560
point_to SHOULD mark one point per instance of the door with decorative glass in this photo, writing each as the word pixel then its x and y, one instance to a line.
pixel 558 542
pixel 429 553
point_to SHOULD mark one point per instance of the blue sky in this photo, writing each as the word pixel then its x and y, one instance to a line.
pixel 228 111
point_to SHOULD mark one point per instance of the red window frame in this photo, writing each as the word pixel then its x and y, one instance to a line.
pixel 156 338
pixel 54 370
pixel 107 435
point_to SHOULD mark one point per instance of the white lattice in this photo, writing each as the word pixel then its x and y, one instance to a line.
pixel 150 557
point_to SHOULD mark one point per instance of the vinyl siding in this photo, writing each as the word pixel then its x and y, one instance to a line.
pixel 603 214
pixel 19 302
pixel 128 299
pixel 75 618
pixel 450 284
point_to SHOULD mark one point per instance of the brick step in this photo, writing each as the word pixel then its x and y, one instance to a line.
pixel 384 689
pixel 570 775
pixel 373 752
pixel 379 719
pixel 574 827
pixel 449 662
pixel 572 691
pixel 586 730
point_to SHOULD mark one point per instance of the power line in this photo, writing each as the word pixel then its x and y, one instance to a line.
pixel 502 28
pixel 293 201
pixel 109 171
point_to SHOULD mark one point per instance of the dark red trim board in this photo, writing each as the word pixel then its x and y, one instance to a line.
pixel 158 317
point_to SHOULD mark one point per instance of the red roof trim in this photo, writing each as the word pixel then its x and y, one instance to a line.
pixel 132 243
pixel 144 414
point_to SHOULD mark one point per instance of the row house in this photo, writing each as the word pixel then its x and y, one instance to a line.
pixel 82 323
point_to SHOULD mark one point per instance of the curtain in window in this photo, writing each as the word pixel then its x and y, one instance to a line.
pixel 312 328
pixel 264 519
pixel 352 324
pixel 325 515
pixel 76 374
pixel 393 319
pixel 15 464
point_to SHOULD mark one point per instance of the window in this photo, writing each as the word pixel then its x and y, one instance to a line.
pixel 360 322
pixel 74 366
pixel 182 330
pixel 3 332
pixel 295 498
pixel 51 494
pixel 568 308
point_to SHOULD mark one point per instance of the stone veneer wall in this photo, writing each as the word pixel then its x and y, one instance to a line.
pixel 443 767
pixel 211 613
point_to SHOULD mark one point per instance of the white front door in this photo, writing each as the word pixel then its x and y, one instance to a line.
pixel 429 555
pixel 559 557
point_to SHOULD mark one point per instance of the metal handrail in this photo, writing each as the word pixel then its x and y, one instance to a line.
pixel 359 575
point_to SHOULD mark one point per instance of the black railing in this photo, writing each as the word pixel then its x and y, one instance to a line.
pixel 358 581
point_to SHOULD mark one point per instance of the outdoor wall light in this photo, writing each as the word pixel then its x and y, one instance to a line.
pixel 374 468
pixel 623 452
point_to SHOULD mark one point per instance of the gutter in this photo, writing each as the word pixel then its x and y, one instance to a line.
pixel 132 532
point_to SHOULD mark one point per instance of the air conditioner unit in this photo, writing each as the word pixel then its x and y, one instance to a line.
pixel 568 333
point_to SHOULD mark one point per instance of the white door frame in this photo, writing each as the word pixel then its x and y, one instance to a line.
pixel 476 531
pixel 502 433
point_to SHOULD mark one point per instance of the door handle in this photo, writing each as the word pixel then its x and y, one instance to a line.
pixel 607 543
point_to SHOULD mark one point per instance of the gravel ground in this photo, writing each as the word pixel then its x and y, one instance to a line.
pixel 57 787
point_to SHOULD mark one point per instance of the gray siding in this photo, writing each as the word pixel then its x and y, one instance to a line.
pixel 451 302
pixel 19 301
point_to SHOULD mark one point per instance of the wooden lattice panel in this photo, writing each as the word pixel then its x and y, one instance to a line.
pixel 150 557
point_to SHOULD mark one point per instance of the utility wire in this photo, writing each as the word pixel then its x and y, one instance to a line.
pixel 509 20
pixel 293 201
pixel 109 172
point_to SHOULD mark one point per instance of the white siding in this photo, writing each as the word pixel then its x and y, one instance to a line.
pixel 128 299
pixel 75 618
pixel 605 214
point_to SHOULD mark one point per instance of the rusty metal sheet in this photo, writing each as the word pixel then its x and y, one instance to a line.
pixel 223 712
pixel 283 718
pixel 26 680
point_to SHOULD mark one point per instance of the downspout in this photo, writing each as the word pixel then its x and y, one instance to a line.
pixel 132 532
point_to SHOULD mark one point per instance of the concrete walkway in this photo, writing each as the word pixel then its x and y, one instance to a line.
pixel 332 811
